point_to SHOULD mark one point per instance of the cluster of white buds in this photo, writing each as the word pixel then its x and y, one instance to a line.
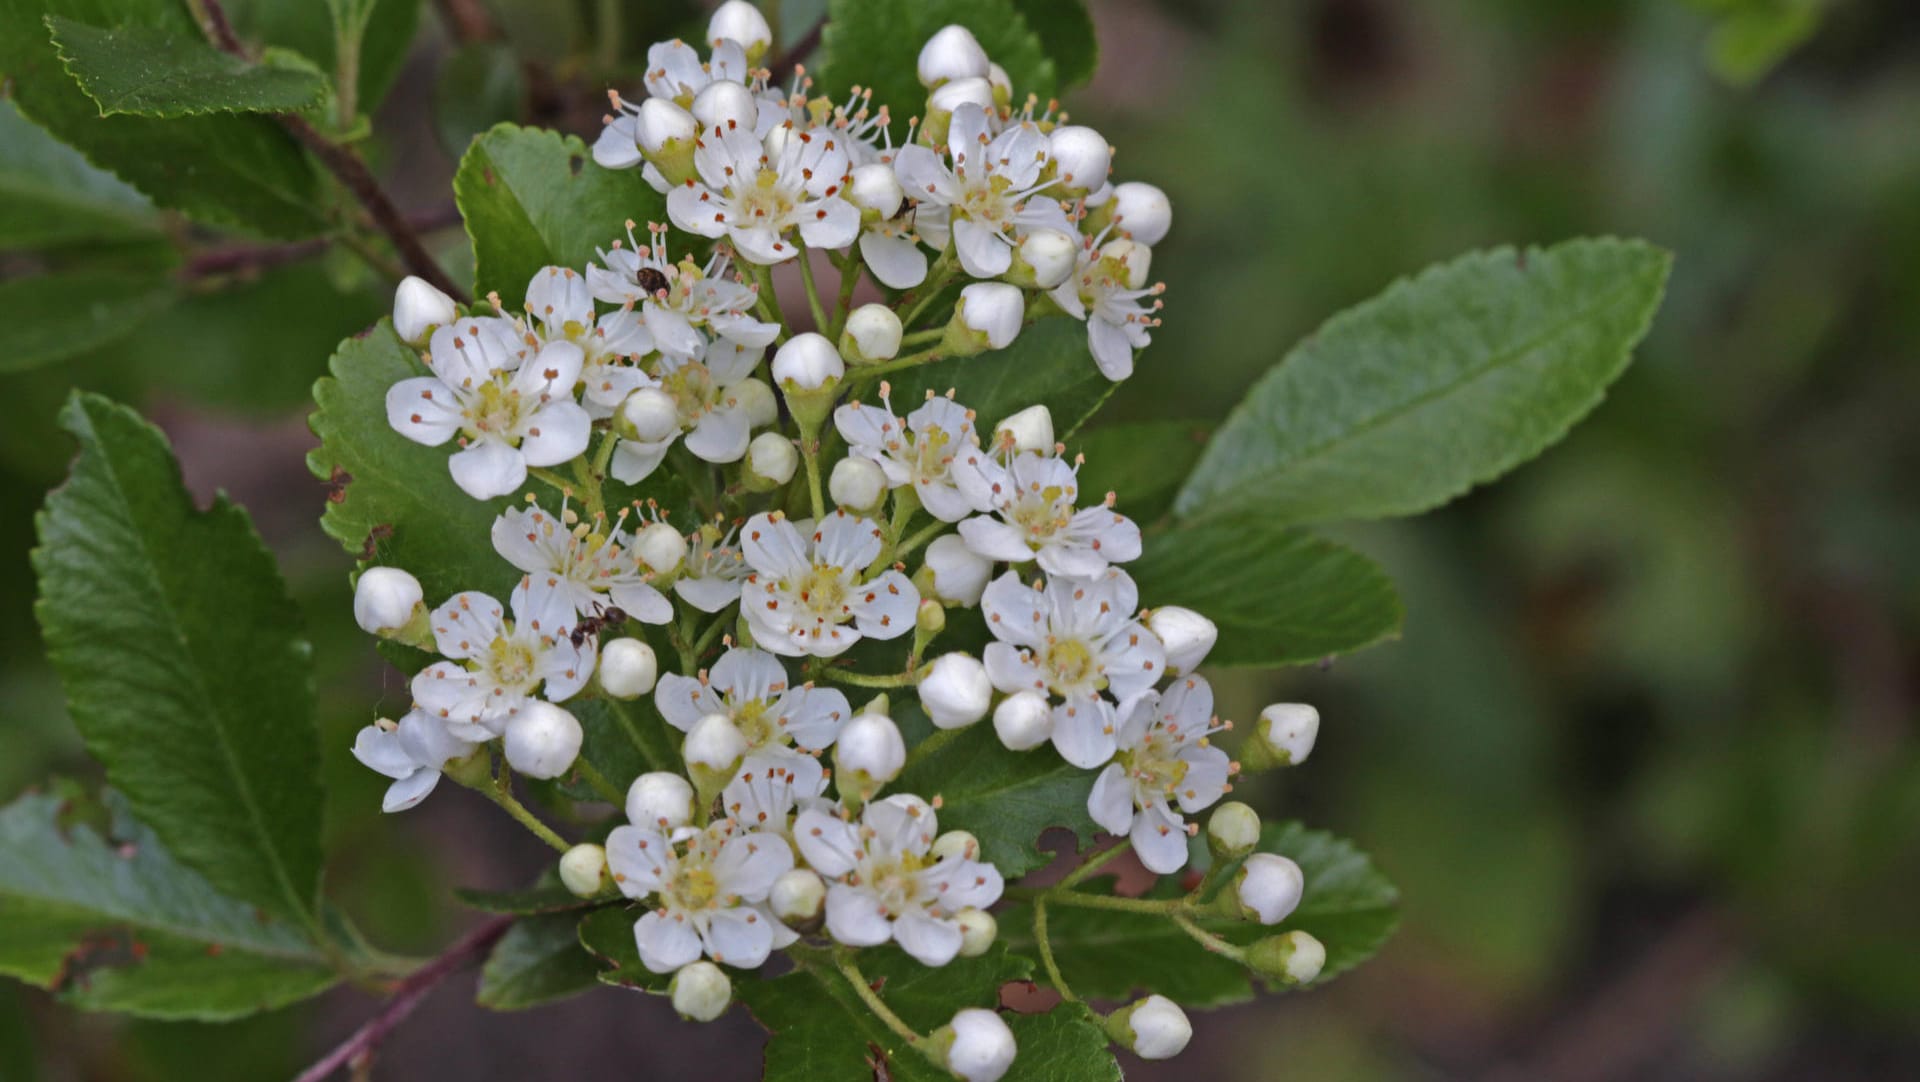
pixel 791 561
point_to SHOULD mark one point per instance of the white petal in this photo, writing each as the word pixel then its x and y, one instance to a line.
pixel 637 857
pixel 556 432
pixel 1111 350
pixel 1083 732
pixel 1161 840
pixel 691 207
pixel 830 844
pixel 749 863
pixel 466 625
pixel 488 468
pixel 930 940
pixel 424 410
pixel 829 223
pixel 898 262
pixel 741 937
pixel 683 700
pixel 380 750
pixel 666 943
pixel 1111 801
pixel 995 540
pixel 983 252
pixel 633 462
pixel 409 791
pixel 854 916
pixel 885 608
pixel 721 436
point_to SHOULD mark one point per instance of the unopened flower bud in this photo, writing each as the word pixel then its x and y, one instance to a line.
pixel 929 620
pixel 1187 635
pixel 797 896
pixel 542 740
pixel 1233 830
pixel 807 362
pixel 1289 730
pixel 956 691
pixel 1043 259
pixel 418 308
pixel 715 746
pixel 722 103
pixel 1081 158
pixel 978 930
pixel 959 575
pixel 1132 260
pixel 875 189
pixel 976 1046
pixel 771 461
pixel 1029 430
pixel 1291 957
pixel 650 415
pixel 660 547
pixel 1141 211
pixel 937 122
pixel 1002 85
pixel 1153 1028
pixel 701 991
pixel 857 484
pixel 385 599
pixel 741 22
pixel 868 753
pixel 955 845
pixel 1023 721
pixel 756 398
pixel 1268 887
pixel 952 53
pixel 583 869
pixel 872 335
pixel 627 669
pixel 666 135
pixel 660 800
pixel 987 316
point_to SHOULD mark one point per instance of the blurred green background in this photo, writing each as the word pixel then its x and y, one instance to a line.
pixel 1643 762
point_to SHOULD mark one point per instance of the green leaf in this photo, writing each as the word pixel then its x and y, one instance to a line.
pixel 144 71
pixel 1065 28
pixel 480 85
pixel 623 740
pixel 226 169
pixel 876 44
pixel 183 663
pixel 533 198
pixel 607 935
pixel 1145 462
pixel 1753 39
pixel 1006 798
pixel 50 196
pixel 1316 598
pixel 1445 381
pixel 538 961
pixel 1049 364
pixel 1066 1044
pixel 821 1029
pixel 1348 905
pixel 307 29
pixel 60 315
pixel 114 923
pixel 530 901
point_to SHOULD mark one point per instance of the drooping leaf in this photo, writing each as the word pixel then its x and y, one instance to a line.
pixel 146 71
pixel 183 662
pixel 539 960
pixel 1049 364
pixel 876 43
pixel 821 1029
pixel 607 936
pixel 117 924
pixel 1006 798
pixel 532 197
pixel 1311 598
pixel 1348 905
pixel 227 169
pixel 1144 462
pixel 64 314
pixel 1445 381
pixel 1065 28
pixel 50 196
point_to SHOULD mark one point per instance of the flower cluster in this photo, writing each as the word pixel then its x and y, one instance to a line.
pixel 767 587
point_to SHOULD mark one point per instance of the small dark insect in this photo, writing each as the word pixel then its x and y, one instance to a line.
pixel 337 484
pixel 593 625
pixel 652 280
pixel 380 532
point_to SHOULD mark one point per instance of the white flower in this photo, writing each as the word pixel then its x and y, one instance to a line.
pixel 884 889
pixel 770 787
pixel 651 129
pixel 660 799
pixel 1156 1028
pixel 1164 759
pixel 810 594
pixel 496 666
pixel 991 314
pixel 575 570
pixel 889 241
pixel 1141 211
pixel 981 1047
pixel 419 307
pixel 384 599
pixel 857 485
pixel 708 897
pixel 1269 887
pixel 676 72
pixel 921 452
pixel 807 362
pixel 872 335
pixel 1031 429
pixel 509 410
pixel 959 574
pixel 411 753
pixel 1023 720
pixel 1035 500
pixel 951 53
pixel 560 309
pixel 1072 642
pixel 1044 259
pixel 955 691
pixel 714 571
pixel 740 21
pixel 756 194
pixel 542 740
pixel 751 689
pixel 1101 292
pixel 700 991
pixel 1187 635
pixel 990 195
pixel 628 668
pixel 1289 730
pixel 870 752
pixel 660 547
pixel 1081 157
pixel 678 300
pixel 716 420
